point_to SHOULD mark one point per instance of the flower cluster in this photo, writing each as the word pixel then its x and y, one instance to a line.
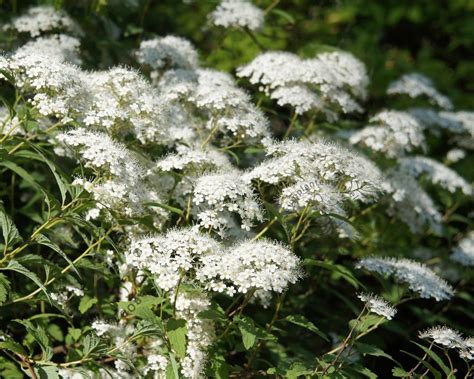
pixel 377 305
pixel 237 13
pixel 451 339
pixel 419 278
pixel 464 251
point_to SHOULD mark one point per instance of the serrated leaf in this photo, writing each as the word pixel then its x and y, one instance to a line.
pixel 305 323
pixel 86 303
pixel 176 331
pixel 14 347
pixel 93 345
pixel 248 332
pixel 10 232
pixel 9 370
pixel 47 372
pixel 17 267
pixel 4 288
pixel 41 239
pixel 40 336
pixel 372 350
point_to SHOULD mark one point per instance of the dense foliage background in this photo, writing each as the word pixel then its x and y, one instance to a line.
pixel 392 38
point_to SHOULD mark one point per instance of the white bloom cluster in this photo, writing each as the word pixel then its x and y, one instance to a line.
pixel 332 164
pixel 157 364
pixel 57 88
pixel 437 172
pixel 237 13
pixel 60 47
pixel 200 333
pixel 433 121
pixel 455 155
pixel 43 18
pixel 122 102
pixel 304 193
pixel 451 339
pixel 171 256
pixel 415 85
pixel 377 305
pixel 394 133
pixel 194 160
pixel 260 265
pixel 464 251
pixel 218 195
pixel 411 202
pixel 120 184
pixel 167 52
pixel 336 78
pixel 419 278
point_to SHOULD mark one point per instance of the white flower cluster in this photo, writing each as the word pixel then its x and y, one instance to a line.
pixel 451 339
pixel 335 78
pixel 200 333
pixel 415 85
pixel 437 172
pixel 187 255
pixel 331 164
pixel 377 305
pixel 260 265
pixel 411 203
pixel 419 278
pixel 394 134
pixel 237 13
pixel 119 185
pixel 464 251
pixel 455 155
pixel 60 47
pixel 167 52
pixel 171 256
pixel 218 195
pixel 43 18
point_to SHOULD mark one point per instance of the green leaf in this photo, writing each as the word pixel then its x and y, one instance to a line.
pixel 40 336
pixel 305 323
pixel 14 347
pixel 10 232
pixel 248 332
pixel 74 333
pixel 367 321
pixel 436 358
pixel 288 17
pixel 399 372
pixel 41 239
pixel 55 332
pixel 338 270
pixel 9 370
pixel 366 349
pixel 86 303
pixel 15 266
pixel 93 345
pixel 4 288
pixel 167 207
pixel 172 369
pixel 47 372
pixel 176 331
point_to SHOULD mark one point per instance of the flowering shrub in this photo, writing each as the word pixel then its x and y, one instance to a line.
pixel 162 218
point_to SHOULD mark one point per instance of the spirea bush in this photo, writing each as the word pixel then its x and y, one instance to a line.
pixel 163 218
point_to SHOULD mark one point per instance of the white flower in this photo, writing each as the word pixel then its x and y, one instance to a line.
pixel 359 178
pixel 415 85
pixel 419 278
pixel 377 305
pixel 169 51
pixel 251 265
pixel 194 160
pixel 437 172
pixel 59 46
pixel 394 134
pixel 455 155
pixel 336 80
pixel 442 335
pixel 167 257
pixel 43 18
pixel 101 327
pixel 298 97
pixel 464 251
pixel 237 13
pixel 411 203
pixel 156 363
pixel 225 193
